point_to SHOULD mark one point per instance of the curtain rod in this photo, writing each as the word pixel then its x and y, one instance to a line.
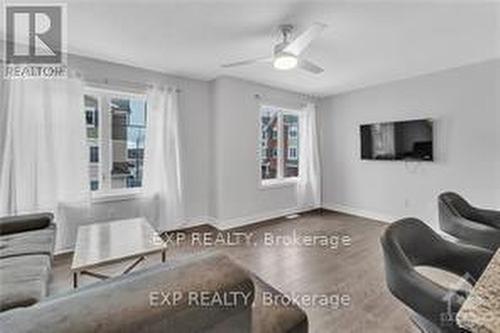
pixel 111 82
pixel 305 97
pixel 302 102
pixel 124 83
pixel 115 82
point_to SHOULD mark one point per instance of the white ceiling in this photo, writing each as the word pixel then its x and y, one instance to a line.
pixel 366 42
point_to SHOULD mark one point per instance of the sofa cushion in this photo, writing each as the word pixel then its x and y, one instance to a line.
pixel 30 242
pixel 24 280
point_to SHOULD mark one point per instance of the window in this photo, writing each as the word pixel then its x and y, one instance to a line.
pixel 279 144
pixel 116 130
pixel 290 145
pixel 275 134
pixel 94 154
pixel 263 152
pixel 94 185
pixel 91 117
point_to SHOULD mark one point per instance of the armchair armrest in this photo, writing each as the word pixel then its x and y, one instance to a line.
pixel 491 217
pixel 464 259
pixel 20 223
pixel 436 303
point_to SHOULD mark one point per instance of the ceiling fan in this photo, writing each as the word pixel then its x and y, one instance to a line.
pixel 286 54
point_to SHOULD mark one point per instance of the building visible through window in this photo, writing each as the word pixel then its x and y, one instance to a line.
pixel 91 119
pixel 290 145
pixel 279 143
pixel 94 154
pixel 116 129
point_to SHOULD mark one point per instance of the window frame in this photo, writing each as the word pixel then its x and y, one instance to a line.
pixel 104 127
pixel 280 180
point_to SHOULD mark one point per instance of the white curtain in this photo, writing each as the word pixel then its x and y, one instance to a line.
pixel 309 184
pixel 162 162
pixel 43 152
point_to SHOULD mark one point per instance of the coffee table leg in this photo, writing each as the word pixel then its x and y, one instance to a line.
pixel 75 280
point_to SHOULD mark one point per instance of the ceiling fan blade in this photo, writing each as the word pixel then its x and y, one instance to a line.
pixel 299 44
pixel 247 62
pixel 310 67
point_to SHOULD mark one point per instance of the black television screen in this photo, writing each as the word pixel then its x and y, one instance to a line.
pixel 400 140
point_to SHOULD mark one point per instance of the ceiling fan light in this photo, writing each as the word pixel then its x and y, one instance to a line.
pixel 285 61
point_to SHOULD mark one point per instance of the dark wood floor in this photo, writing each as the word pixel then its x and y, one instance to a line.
pixel 355 270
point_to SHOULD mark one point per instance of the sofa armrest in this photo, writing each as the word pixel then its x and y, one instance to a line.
pixel 20 223
pixel 159 299
pixel 276 317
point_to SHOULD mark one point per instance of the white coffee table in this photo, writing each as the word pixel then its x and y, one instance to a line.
pixel 110 242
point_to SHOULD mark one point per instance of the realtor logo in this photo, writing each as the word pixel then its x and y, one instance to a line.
pixel 457 294
pixel 35 46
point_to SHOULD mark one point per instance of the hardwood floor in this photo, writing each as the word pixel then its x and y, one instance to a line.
pixel 355 270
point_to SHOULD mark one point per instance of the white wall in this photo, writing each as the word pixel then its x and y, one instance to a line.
pixel 464 103
pixel 236 176
pixel 219 131
pixel 195 114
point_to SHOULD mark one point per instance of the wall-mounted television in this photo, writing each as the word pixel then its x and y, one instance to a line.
pixel 400 140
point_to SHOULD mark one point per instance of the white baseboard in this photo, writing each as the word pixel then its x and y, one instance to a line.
pixel 198 220
pixel 261 217
pixel 380 217
pixel 362 213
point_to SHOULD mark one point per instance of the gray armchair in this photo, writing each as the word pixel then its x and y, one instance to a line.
pixel 408 243
pixel 476 226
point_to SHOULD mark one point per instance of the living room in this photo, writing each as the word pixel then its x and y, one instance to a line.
pixel 280 166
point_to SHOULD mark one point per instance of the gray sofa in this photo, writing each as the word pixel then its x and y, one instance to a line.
pixel 476 226
pixel 130 303
pixel 26 249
